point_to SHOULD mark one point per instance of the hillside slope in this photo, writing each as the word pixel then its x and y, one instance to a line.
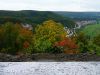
pixel 80 15
pixel 92 30
pixel 33 17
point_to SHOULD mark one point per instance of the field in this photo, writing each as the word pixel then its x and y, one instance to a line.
pixel 92 30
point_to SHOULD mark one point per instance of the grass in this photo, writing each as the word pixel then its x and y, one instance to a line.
pixel 92 30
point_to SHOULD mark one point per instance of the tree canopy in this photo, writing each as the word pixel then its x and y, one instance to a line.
pixel 48 33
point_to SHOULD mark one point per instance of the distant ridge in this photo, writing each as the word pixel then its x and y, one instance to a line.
pixel 80 15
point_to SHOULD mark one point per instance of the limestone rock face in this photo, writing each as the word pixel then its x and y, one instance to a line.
pixel 49 68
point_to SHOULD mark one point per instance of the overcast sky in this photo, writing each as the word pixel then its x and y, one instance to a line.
pixel 51 5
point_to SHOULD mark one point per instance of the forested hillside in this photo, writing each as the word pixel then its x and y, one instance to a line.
pixel 80 15
pixel 33 17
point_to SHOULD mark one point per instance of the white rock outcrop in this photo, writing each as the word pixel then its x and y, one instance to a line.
pixel 49 68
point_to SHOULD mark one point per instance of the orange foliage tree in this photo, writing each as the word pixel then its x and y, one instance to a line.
pixel 26 44
pixel 25 39
pixel 68 45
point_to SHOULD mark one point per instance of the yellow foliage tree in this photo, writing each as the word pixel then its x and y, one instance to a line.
pixel 49 31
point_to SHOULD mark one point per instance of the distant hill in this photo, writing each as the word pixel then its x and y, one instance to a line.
pixel 92 30
pixel 33 17
pixel 80 15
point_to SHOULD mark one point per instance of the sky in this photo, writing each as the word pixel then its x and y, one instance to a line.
pixel 51 5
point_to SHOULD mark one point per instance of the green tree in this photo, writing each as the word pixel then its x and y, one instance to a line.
pixel 9 40
pixel 96 42
pixel 82 41
pixel 1 37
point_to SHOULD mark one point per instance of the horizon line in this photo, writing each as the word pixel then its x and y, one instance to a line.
pixel 46 10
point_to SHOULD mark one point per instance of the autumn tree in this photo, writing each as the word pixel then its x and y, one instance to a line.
pixel 15 38
pixel 67 45
pixel 47 34
pixel 25 39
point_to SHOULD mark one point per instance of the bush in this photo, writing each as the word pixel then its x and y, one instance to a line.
pixel 55 50
pixel 97 50
pixel 8 50
pixel 28 51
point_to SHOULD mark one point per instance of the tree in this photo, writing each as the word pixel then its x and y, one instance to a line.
pixel 82 42
pixel 1 37
pixel 9 37
pixel 47 34
pixel 96 40
pixel 67 45
pixel 24 39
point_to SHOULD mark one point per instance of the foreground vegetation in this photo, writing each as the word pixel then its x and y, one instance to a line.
pixel 49 37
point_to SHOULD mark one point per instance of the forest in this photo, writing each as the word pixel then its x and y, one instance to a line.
pixel 48 37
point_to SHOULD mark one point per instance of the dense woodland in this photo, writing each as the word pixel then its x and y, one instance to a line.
pixel 48 37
